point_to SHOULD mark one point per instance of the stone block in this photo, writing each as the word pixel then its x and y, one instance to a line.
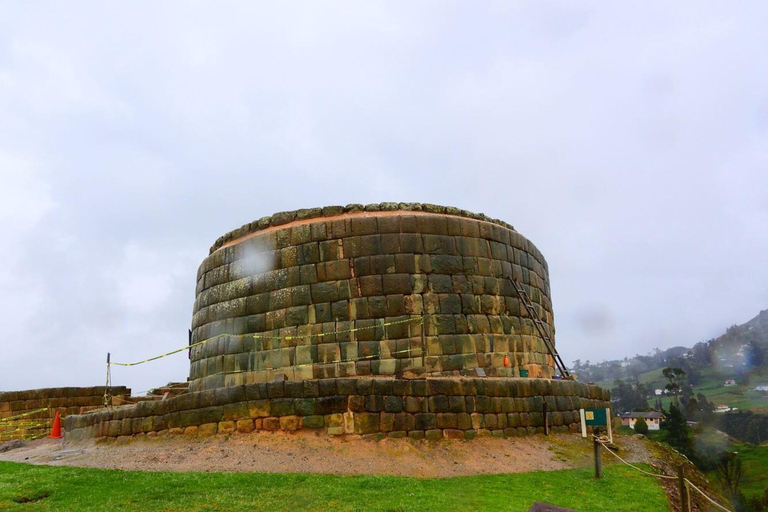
pixel 271 423
pixel 227 427
pixel 439 403
pixel 314 421
pixel 356 403
pixel 259 408
pixel 245 426
pixel 236 411
pixel 282 407
pixel 371 286
pixel 404 421
pixel 425 421
pixel 433 434
pixel 366 423
pixel 290 423
pixel 304 406
pixel 207 429
pixel 453 433
pixel 331 404
pixel 396 284
pixel 382 264
pixel 393 404
pixel 387 422
pixel 209 415
pixel 446 420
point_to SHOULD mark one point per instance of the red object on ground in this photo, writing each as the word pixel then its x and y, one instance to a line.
pixel 56 430
pixel 506 360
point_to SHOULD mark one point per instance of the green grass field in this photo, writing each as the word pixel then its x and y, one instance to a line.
pixel 64 488
pixel 754 463
pixel 712 385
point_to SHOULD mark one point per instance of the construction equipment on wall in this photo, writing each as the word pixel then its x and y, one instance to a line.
pixel 533 313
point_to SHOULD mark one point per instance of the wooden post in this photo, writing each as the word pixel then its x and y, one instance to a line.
pixel 598 461
pixel 685 502
pixel 546 418
pixel 108 385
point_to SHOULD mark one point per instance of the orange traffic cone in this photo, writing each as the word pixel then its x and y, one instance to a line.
pixel 56 430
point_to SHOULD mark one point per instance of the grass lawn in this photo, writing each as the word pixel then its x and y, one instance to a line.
pixel 82 489
pixel 754 468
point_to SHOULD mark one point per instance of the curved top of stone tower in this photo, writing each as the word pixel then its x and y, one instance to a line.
pixel 369 290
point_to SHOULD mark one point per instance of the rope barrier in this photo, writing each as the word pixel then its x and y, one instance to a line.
pixel 602 442
pixel 707 497
pixel 599 440
pixel 108 399
pixel 267 337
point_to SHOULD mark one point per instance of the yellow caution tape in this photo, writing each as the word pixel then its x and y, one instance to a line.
pixel 262 337
pixel 361 358
pixel 333 333
pixel 23 415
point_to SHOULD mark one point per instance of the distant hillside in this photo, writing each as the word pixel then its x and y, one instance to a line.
pixel 739 356
pixel 739 350
pixel 742 338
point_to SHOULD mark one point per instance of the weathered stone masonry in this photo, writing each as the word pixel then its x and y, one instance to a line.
pixel 268 289
pixel 334 269
pixel 457 407
pixel 65 401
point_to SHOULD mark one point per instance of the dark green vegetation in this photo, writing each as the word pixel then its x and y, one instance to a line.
pixel 24 487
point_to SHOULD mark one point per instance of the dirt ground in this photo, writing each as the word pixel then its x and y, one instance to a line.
pixel 311 453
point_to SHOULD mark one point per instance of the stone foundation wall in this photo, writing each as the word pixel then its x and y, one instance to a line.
pixel 432 408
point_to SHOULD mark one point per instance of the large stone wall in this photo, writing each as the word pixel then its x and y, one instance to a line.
pixel 293 276
pixel 432 408
pixel 65 401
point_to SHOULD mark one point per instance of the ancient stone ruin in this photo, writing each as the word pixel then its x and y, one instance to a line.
pixel 387 319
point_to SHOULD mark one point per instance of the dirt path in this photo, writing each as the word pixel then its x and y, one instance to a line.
pixel 309 453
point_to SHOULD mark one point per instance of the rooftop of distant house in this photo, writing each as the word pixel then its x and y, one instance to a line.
pixel 644 414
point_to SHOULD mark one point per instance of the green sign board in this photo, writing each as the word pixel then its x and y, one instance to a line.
pixel 595 417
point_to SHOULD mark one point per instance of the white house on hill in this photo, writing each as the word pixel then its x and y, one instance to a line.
pixel 652 418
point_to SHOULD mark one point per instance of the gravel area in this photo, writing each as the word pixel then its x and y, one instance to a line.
pixel 311 453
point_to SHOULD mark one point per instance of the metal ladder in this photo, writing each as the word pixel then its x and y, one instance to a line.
pixel 540 327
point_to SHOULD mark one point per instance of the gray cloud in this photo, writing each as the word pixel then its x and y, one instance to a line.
pixel 629 143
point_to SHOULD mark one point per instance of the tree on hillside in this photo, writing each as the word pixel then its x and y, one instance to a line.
pixel 755 354
pixel 677 432
pixel 641 427
pixel 701 354
pixel 675 377
pixel 728 472
pixel 629 397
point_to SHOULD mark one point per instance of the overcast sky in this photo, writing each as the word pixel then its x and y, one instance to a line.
pixel 629 143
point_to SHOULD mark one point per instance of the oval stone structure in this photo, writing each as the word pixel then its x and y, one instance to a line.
pixel 369 290
pixel 387 320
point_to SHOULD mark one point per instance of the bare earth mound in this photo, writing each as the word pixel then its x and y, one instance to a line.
pixel 309 453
